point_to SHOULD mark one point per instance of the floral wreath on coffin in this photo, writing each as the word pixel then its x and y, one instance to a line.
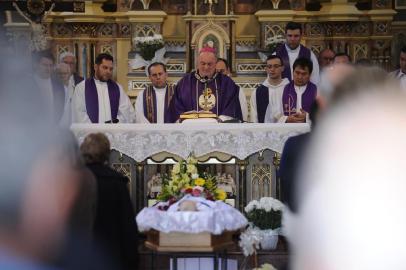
pixel 185 179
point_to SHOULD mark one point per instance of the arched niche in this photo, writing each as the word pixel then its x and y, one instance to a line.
pixel 214 32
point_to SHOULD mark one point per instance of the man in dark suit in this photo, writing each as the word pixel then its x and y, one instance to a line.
pixel 115 230
pixel 400 73
pixel 51 89
pixel 292 155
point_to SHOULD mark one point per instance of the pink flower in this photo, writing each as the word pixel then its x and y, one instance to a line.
pixel 188 190
pixel 196 192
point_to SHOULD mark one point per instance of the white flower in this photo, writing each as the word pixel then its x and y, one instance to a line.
pixel 274 40
pixel 195 175
pixel 266 266
pixel 269 203
pixel 254 204
pixel 176 168
pixel 249 240
pixel 190 168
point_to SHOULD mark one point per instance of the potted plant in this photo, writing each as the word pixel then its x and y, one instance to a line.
pixel 265 218
pixel 273 42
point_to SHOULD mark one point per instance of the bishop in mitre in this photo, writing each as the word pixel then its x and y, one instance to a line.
pixel 206 90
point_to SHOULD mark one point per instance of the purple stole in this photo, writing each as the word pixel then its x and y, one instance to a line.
pixel 92 101
pixel 283 53
pixel 289 98
pixel 262 95
pixel 149 101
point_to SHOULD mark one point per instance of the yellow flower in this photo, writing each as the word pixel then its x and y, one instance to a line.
pixel 220 194
pixel 200 182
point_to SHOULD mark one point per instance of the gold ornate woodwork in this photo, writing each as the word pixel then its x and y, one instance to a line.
pixel 238 28
pixel 261 181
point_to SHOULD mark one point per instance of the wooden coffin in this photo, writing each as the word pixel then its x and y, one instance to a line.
pixel 188 242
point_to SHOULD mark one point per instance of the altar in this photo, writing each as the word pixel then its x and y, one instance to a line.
pixel 245 156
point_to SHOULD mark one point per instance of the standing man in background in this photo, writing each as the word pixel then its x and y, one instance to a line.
pixel 70 59
pixel 153 102
pixel 292 50
pixel 223 67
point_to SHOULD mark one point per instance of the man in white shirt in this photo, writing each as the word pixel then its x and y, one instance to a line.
pixel 100 99
pixel 223 67
pixel 50 87
pixel 342 58
pixel 298 96
pixel 400 73
pixel 63 71
pixel 152 103
pixel 292 50
pixel 70 59
pixel 269 92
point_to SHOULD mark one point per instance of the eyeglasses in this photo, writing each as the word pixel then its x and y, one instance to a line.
pixel 273 66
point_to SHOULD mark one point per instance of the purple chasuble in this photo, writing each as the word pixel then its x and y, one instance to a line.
pixel 149 101
pixel 262 95
pixel 185 97
pixel 92 100
pixel 282 52
pixel 289 98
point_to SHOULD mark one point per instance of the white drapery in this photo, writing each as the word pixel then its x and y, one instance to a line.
pixel 140 141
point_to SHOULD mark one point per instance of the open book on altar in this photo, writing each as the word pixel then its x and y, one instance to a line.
pixel 197 114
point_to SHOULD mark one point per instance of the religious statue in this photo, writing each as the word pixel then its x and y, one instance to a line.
pixel 210 2
pixel 154 185
pixel 227 183
pixel 38 39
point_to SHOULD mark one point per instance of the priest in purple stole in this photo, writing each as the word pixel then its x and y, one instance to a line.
pixel 153 102
pixel 205 89
pixel 299 95
pixel 292 49
pixel 100 99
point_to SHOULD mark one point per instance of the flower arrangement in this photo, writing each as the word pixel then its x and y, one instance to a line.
pixel 265 266
pixel 185 179
pixel 273 42
pixel 149 45
pixel 265 218
pixel 265 213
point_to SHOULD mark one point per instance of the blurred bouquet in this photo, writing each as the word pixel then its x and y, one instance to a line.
pixel 266 266
pixel 149 45
pixel 273 42
pixel 185 179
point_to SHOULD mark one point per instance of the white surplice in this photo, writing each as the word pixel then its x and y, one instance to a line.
pixel 126 112
pixel 276 90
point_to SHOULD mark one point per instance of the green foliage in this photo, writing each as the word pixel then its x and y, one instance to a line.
pixel 265 220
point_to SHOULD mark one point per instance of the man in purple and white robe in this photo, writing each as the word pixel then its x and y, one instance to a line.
pixel 298 96
pixel 269 92
pixel 292 50
pixel 206 85
pixel 100 99
pixel 153 102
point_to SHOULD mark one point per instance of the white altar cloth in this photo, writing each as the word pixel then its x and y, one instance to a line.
pixel 140 141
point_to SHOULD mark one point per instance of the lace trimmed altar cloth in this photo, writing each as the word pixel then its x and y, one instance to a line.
pixel 140 141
